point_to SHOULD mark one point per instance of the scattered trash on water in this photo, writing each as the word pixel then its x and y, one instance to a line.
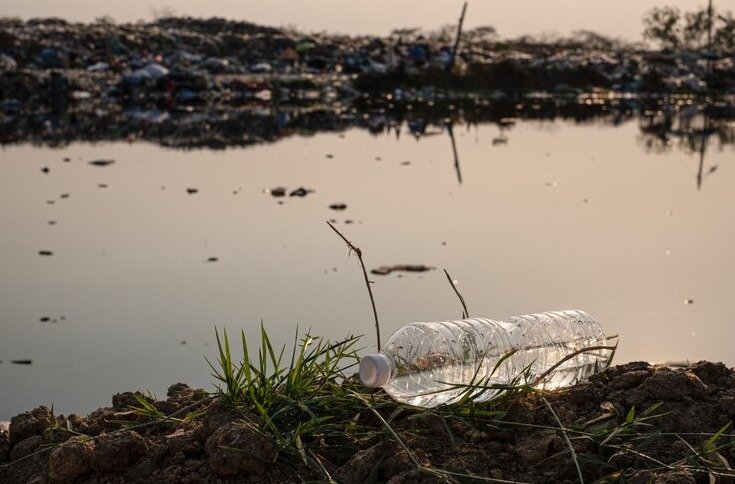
pixel 585 200
pixel 405 163
pixel 50 202
pixel 338 206
pixel 102 185
pixel 385 270
pixel 301 192
pixel 101 162
pixel 45 252
pixel 192 191
pixel 66 159
pixel 52 222
pixel 688 302
pixel 183 342
pixel 275 192
pixel 212 259
pixel 45 169
pixel 329 155
pixel 550 184
pixel 45 319
pixel 22 362
pixel 64 195
pixel 668 252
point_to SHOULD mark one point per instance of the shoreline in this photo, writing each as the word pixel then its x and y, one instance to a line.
pixel 629 420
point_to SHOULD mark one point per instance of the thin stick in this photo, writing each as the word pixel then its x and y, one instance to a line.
pixel 466 313
pixel 357 251
pixel 566 439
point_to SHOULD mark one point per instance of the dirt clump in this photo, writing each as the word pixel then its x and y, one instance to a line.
pixel 625 421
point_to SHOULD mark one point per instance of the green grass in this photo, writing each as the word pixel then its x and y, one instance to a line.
pixel 307 396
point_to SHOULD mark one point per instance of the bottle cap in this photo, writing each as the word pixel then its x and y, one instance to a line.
pixel 375 370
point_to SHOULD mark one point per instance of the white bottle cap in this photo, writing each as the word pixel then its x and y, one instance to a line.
pixel 375 370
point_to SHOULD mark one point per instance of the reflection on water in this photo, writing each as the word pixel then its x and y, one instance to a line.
pixel 626 214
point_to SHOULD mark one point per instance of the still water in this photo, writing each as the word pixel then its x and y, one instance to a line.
pixel 548 215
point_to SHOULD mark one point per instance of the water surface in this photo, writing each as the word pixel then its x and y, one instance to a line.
pixel 549 215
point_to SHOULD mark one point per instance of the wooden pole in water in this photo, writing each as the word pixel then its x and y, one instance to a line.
pixel 450 64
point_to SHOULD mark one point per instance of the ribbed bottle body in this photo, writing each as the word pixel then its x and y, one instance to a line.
pixel 429 359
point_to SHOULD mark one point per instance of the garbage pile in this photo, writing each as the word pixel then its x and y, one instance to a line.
pixel 182 73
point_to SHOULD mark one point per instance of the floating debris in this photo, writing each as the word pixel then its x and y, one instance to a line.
pixel 22 362
pixel 50 202
pixel 45 252
pixel 338 206
pixel 183 342
pixel 348 221
pixel 301 192
pixel 102 185
pixel 45 319
pixel 329 155
pixel 101 162
pixel 405 163
pixel 275 192
pixel 688 302
pixel 52 222
pixel 385 270
pixel 585 200
pixel 192 191
pixel 66 159
pixel 550 184
pixel 45 169
pixel 64 195
pixel 212 259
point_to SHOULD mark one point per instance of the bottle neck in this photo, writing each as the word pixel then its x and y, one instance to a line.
pixel 376 370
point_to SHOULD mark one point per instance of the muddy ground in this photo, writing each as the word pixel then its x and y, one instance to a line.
pixel 223 446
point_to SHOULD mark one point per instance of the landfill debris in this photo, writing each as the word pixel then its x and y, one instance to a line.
pixel 385 270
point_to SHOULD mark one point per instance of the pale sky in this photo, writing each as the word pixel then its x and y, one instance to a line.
pixel 510 18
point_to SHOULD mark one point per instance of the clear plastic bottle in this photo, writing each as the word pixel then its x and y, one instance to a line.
pixel 420 363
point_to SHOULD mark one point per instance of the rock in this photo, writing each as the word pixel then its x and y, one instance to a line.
pixel 30 423
pixel 71 460
pixel 26 447
pixel 237 447
pixel 114 452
